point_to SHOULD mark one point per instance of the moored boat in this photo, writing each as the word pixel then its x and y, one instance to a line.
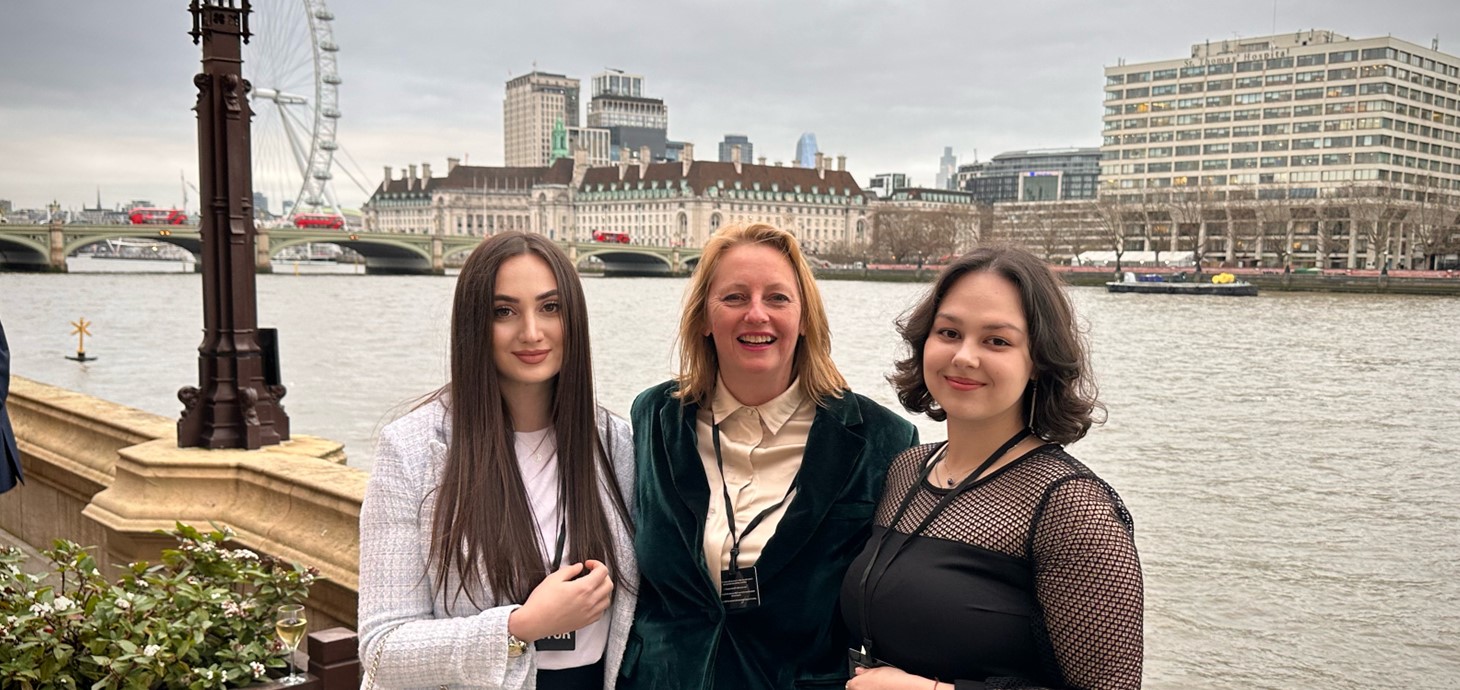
pixel 1220 284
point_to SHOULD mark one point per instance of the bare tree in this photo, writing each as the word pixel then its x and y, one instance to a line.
pixel 914 233
pixel 1373 211
pixel 1109 211
pixel 1189 209
pixel 1432 221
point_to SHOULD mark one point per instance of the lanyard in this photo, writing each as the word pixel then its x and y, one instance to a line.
pixel 730 507
pixel 937 510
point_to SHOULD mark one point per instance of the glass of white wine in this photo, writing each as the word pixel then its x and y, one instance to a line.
pixel 290 624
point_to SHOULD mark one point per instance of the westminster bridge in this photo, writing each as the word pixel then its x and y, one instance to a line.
pixel 45 248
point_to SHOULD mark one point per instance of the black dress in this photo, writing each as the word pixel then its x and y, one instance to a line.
pixel 1028 579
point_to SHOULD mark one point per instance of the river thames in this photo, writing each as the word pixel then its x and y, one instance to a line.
pixel 1289 459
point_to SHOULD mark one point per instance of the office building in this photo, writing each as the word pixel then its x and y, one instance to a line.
pixel 1034 175
pixel 883 185
pixel 947 170
pixel 806 151
pixel 1307 148
pixel 535 103
pixel 632 120
pixel 747 149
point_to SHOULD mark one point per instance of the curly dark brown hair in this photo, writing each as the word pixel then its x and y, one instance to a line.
pixel 1066 403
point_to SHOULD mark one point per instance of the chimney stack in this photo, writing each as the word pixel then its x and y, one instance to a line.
pixel 820 161
pixel 841 163
pixel 411 181
pixel 451 164
pixel 644 157
pixel 388 173
pixel 425 174
pixel 760 161
pixel 686 159
pixel 735 157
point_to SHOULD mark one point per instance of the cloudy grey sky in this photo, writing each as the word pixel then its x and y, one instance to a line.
pixel 97 93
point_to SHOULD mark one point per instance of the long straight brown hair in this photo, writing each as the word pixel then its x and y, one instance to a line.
pixel 483 527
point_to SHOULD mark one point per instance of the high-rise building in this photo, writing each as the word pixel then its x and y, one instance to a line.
pixel 260 204
pixel 1037 175
pixel 883 184
pixel 806 151
pixel 534 104
pixel 632 120
pixel 728 144
pixel 1232 141
pixel 947 169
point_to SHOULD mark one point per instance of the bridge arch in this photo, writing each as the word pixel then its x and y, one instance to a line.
pixel 194 245
pixel 19 251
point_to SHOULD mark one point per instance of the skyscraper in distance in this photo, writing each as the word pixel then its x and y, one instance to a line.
pixel 806 150
pixel 534 104
pixel 947 169
pixel 747 149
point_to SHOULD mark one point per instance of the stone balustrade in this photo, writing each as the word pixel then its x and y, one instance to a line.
pixel 109 476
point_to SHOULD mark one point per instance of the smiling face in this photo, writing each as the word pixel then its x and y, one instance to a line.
pixel 527 325
pixel 754 318
pixel 976 361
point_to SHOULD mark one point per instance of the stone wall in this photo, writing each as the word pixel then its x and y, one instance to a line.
pixel 109 476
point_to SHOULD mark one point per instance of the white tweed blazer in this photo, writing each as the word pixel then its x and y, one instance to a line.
pixel 420 642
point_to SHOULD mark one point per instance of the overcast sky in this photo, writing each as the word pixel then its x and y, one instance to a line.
pixel 98 93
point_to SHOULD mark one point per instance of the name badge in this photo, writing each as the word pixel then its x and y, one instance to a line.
pixel 565 642
pixel 740 591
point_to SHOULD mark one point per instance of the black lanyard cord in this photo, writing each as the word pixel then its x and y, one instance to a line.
pixel 939 455
pixel 735 539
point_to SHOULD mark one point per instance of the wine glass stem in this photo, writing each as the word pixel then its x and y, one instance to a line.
pixel 291 665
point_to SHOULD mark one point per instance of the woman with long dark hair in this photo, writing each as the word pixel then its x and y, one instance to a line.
pixel 997 560
pixel 495 538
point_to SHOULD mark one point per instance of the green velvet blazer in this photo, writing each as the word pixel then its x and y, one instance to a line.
pixel 683 638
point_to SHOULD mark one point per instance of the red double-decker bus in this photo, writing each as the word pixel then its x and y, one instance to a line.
pixel 615 237
pixel 319 220
pixel 143 215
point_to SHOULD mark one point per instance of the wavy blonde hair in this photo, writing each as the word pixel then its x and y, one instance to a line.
pixel 698 363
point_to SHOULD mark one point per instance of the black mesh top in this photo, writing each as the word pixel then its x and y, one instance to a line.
pixel 1029 579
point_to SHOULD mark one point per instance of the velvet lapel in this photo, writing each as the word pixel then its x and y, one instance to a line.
pixel 686 473
pixel 833 449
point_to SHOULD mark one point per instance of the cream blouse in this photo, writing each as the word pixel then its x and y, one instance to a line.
pixel 762 447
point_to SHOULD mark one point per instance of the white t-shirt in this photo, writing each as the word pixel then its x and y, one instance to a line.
pixel 537 460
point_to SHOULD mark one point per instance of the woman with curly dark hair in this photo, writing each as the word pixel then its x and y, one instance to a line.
pixel 996 560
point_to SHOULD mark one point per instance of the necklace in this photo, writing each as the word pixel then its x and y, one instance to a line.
pixel 951 479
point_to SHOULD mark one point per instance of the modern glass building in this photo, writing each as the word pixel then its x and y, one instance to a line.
pixel 806 151
pixel 747 149
pixel 1034 175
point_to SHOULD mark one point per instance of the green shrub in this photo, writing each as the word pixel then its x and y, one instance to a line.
pixel 202 618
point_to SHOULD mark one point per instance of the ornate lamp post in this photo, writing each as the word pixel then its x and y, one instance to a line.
pixel 236 401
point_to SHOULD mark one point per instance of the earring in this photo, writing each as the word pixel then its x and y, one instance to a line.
pixel 1033 399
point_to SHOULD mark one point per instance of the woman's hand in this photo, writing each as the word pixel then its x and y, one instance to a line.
pixel 889 678
pixel 562 604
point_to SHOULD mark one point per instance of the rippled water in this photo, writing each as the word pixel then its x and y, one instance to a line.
pixel 1297 505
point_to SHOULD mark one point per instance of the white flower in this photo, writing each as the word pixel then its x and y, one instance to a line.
pixel 240 555
pixel 257 668
pixel 124 604
pixel 40 609
pixel 206 674
pixel 151 650
pixel 207 547
pixel 231 609
pixel 63 603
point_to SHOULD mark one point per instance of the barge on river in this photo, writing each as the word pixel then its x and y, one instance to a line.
pixel 1221 284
